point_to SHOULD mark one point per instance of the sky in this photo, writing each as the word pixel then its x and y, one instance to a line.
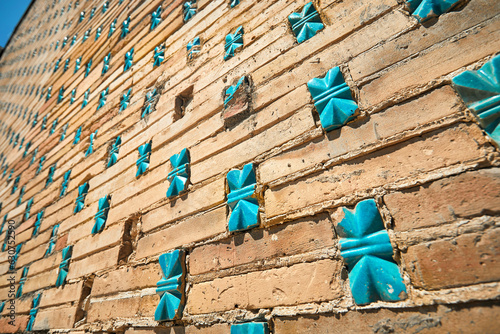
pixel 11 12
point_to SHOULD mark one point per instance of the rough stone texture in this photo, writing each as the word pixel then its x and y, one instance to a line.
pixel 55 318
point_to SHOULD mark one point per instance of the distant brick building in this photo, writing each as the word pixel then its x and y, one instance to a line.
pixel 240 166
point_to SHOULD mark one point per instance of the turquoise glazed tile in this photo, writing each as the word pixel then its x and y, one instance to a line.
pixel 52 242
pixel 66 64
pixel 54 126
pixel 42 127
pixel 103 96
pixel 78 134
pixel 56 66
pixel 367 251
pixel 179 175
pixel 91 144
pixel 73 96
pixel 82 16
pixel 15 184
pixel 21 194
pixel 61 94
pixel 38 222
pixel 158 55
pixel 171 286
pixel 232 90
pixel 424 10
pixel 189 9
pixel 80 200
pixel 98 33
pixel 86 35
pixel 64 42
pixel 73 41
pixel 22 280
pixel 233 42
pixel 242 200
pixel 102 215
pixel 105 6
pixel 64 266
pixel 125 99
pixel 129 57
pixel 250 328
pixel 27 210
pixel 143 161
pixel 3 222
pixel 112 28
pixel 85 100
pixel 150 97
pixel 125 27
pixel 33 312
pixel 88 66
pixel 63 132
pixel 155 18
pixel 113 153
pixel 333 99
pixel 50 177
pixel 306 24
pixel 40 164
pixel 193 47
pixel 234 3
pixel 480 90
pixel 78 63
pixel 64 186
pixel 92 13
pixel 49 93
pixel 106 61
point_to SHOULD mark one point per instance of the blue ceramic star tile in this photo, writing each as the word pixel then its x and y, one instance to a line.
pixel 155 18
pixel 50 177
pixel 233 42
pixel 64 42
pixel 424 10
pixel 40 164
pixel 232 90
pixel 66 65
pixel 86 35
pixel 80 200
pixel 171 286
pixel 306 23
pixel 64 266
pixel 179 175
pixel 159 55
pixel 21 194
pixel 98 33
pixel 63 132
pixel 367 251
pixel 27 210
pixel 78 134
pixel 56 66
pixel 91 144
pixel 85 100
pixel 113 153
pixel 143 161
pixel 125 27
pixel 112 28
pixel 234 3
pixel 15 184
pixel 78 63
pixel 105 6
pixel 250 328
pixel 102 98
pixel 87 69
pixel 102 215
pixel 193 47
pixel 73 41
pixel 52 241
pixel 82 16
pixel 106 61
pixel 129 57
pixel 42 127
pixel 189 9
pixel 54 125
pixel 480 90
pixel 64 185
pixel 38 222
pixel 125 99
pixel 150 97
pixel 61 94
pixel 22 280
pixel 333 99
pixel 49 93
pixel 33 312
pixel 242 199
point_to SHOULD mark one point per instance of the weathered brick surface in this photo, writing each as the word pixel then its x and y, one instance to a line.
pixel 301 283
pixel 66 294
pixel 93 263
pixel 464 260
pixel 20 323
pixel 298 237
pixel 123 308
pixel 45 279
pixel 55 318
pixel 454 198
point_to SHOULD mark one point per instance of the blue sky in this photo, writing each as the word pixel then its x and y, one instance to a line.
pixel 11 12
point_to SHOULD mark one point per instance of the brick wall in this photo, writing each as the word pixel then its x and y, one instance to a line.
pixel 238 166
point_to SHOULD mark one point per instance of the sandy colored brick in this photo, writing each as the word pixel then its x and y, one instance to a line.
pixel 442 148
pixel 464 196
pixel 127 279
pixel 56 318
pixel 364 133
pixel 172 330
pixel 433 319
pixel 20 323
pixel 464 260
pixel 214 329
pixel 94 263
pixel 108 238
pixel 45 264
pixel 65 294
pixel 193 229
pixel 43 280
pixel 301 283
pixel 294 238
pixel 122 308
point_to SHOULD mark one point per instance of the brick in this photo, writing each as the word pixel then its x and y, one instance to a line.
pixel 171 330
pixel 466 259
pixel 40 281
pixel 56 318
pixel 301 283
pixel 431 319
pixel 438 149
pixel 193 229
pixel 364 133
pixel 195 201
pixel 298 237
pixel 94 263
pixel 439 61
pixel 464 196
pixel 122 308
pixel 20 323
pixel 31 256
pixel 45 264
pixel 214 329
pixel 108 238
pixel 127 279
pixel 66 294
